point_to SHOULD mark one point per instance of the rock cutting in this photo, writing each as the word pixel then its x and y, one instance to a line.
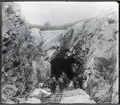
pixel 70 63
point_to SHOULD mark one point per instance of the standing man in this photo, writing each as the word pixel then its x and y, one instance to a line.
pixel 61 82
pixel 53 84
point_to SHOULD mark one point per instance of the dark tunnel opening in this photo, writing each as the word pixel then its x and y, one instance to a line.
pixel 68 65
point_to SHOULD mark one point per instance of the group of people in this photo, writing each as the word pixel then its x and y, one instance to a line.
pixel 59 83
pixel 63 81
pixel 61 70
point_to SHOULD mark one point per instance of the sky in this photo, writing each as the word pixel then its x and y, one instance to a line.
pixel 58 13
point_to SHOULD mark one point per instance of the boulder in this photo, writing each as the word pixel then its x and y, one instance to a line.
pixel 45 93
pixel 77 99
pixel 52 39
pixel 9 102
pixel 71 86
pixel 40 85
pixel 36 36
pixel 40 94
pixel 33 100
pixel 37 93
pixel 21 100
pixel 67 39
pixel 47 89
pixel 76 96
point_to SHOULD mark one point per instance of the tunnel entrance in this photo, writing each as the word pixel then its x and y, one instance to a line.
pixel 65 64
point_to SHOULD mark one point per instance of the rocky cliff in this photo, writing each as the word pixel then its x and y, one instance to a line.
pixel 100 38
pixel 21 53
pixel 96 42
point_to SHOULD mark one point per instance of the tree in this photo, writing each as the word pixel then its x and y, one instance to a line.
pixel 47 25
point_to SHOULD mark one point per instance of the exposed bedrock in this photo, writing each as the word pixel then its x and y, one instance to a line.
pixel 95 43
pixel 26 60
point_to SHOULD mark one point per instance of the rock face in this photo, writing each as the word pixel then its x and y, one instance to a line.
pixel 102 59
pixel 52 39
pixel 36 36
pixel 21 53
pixel 96 42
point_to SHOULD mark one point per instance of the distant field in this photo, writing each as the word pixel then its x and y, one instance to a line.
pixel 49 35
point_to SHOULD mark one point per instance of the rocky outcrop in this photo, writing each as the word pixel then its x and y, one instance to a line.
pixel 102 59
pixel 20 50
pixel 93 41
pixel 96 42
pixel 40 94
pixel 52 39
pixel 37 38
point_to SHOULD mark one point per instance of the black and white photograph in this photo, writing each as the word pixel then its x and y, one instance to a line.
pixel 60 52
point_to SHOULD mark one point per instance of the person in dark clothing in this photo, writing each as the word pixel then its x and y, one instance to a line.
pixel 75 82
pixel 53 84
pixel 80 82
pixel 61 82
pixel 81 79
pixel 64 79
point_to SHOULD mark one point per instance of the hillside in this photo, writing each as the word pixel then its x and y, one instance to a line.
pixel 56 27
